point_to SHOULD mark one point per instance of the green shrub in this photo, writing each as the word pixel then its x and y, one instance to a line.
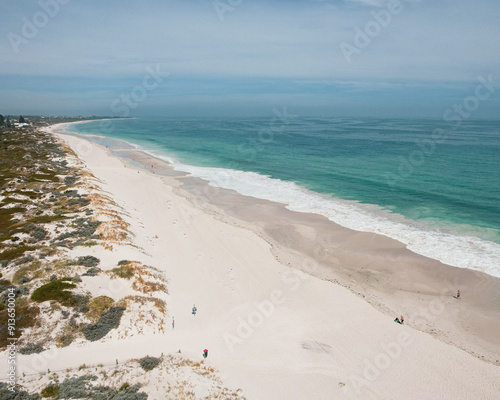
pixel 83 201
pixel 82 388
pixel 55 291
pixel 98 305
pixel 71 193
pixel 24 260
pixel 46 219
pixel 23 290
pixel 86 261
pixel 67 235
pixel 123 272
pixel 5 295
pixel 149 363
pixel 70 180
pixel 76 388
pixel 65 340
pixel 12 254
pixel 88 243
pixel 26 317
pixel 21 272
pixel 123 262
pixel 39 233
pixel 50 391
pixel 3 288
pixel 109 320
pixel 92 272
pixel 31 348
pixel 80 302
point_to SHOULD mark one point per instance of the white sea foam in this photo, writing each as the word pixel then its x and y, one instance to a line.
pixel 459 251
pixel 452 249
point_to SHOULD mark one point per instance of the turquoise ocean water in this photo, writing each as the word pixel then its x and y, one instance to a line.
pixel 432 186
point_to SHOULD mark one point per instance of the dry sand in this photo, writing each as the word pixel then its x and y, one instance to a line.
pixel 290 305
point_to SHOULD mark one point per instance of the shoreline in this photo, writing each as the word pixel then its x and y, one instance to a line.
pixel 290 305
pixel 459 247
pixel 379 269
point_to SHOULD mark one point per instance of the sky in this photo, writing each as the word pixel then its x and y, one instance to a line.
pixel 386 58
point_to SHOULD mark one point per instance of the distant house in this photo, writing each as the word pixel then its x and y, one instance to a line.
pixel 20 125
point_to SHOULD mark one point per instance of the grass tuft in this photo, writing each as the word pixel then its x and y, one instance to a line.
pixel 50 391
pixel 109 320
pixel 55 290
pixel 125 272
pixel 149 363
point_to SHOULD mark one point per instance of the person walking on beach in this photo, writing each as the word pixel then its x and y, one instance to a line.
pixel 173 322
pixel 205 353
pixel 194 310
pixel 458 294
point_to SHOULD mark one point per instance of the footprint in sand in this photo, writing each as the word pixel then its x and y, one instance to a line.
pixel 230 283
pixel 199 254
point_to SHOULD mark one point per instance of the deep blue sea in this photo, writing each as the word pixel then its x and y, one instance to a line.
pixel 431 185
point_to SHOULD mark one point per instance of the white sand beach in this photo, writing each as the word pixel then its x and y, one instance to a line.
pixel 271 329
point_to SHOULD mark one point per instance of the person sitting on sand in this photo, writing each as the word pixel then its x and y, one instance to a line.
pixel 402 320
pixel 397 320
pixel 194 310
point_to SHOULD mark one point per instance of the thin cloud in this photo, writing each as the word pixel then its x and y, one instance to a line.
pixel 106 48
